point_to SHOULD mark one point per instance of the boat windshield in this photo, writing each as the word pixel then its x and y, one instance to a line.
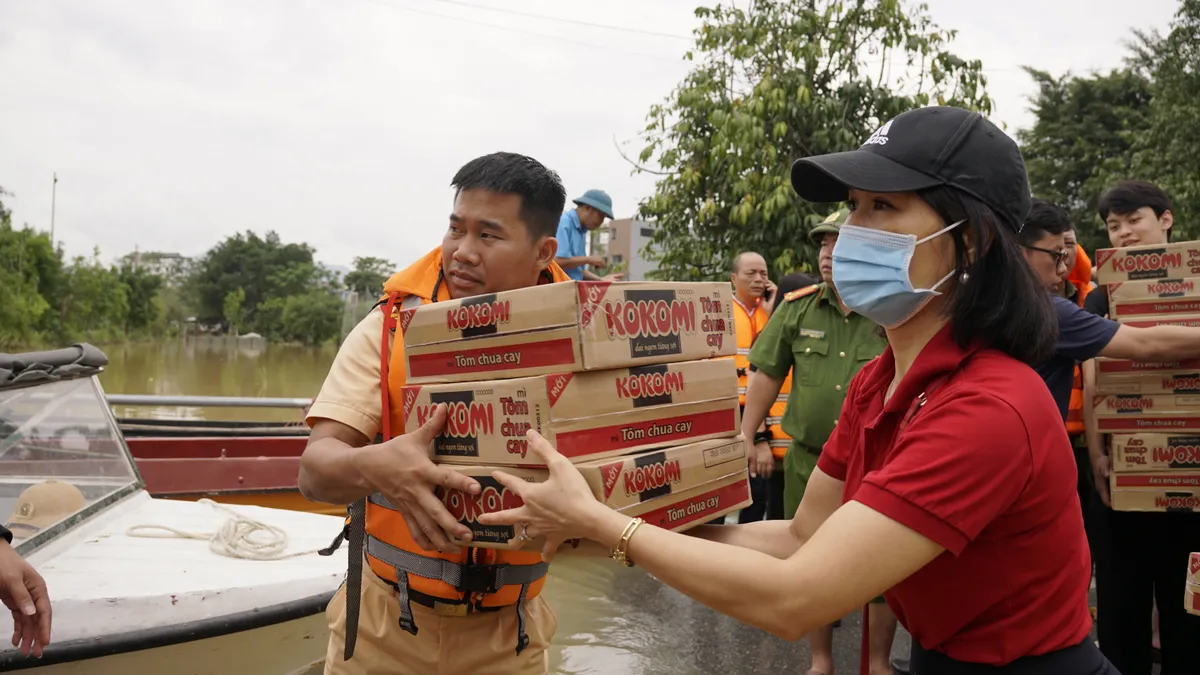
pixel 61 457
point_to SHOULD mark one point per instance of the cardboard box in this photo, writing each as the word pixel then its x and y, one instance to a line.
pixel 1155 289
pixel 1147 412
pixel 586 416
pixel 1134 310
pixel 1132 453
pixel 1193 573
pixel 567 327
pixel 1191 599
pixel 1153 298
pixel 1158 491
pixel 675 488
pixel 1167 261
pixel 1189 320
pixel 1150 383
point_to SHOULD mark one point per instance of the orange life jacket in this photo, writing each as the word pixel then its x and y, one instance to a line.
pixel 1081 274
pixel 474 576
pixel 1080 278
pixel 748 322
pixel 780 441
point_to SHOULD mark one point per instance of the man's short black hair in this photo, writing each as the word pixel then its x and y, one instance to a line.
pixel 1044 218
pixel 1130 195
pixel 794 282
pixel 541 190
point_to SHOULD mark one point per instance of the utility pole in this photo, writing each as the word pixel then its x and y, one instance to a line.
pixel 53 194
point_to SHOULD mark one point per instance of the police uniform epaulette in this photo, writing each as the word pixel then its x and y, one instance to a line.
pixel 800 293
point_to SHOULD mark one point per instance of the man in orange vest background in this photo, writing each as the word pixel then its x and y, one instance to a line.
pixel 753 295
pixel 421 605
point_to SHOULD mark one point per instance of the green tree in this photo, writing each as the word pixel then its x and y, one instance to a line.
pixel 312 318
pixel 774 82
pixel 21 305
pixel 1084 139
pixel 1169 151
pixel 95 304
pixel 233 309
pixel 368 275
pixel 262 267
pixel 142 288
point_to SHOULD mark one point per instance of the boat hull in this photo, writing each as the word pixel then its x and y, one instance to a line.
pixel 252 470
pixel 287 648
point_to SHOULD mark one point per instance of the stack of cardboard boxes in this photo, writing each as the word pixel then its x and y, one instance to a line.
pixel 1151 409
pixel 629 380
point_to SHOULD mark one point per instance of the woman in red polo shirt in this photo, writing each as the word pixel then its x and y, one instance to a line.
pixel 948 484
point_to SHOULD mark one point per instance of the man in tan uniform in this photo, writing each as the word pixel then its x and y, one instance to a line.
pixel 420 605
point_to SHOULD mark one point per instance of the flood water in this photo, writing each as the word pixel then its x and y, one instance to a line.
pixel 611 619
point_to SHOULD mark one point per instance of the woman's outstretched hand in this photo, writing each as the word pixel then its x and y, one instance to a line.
pixel 561 508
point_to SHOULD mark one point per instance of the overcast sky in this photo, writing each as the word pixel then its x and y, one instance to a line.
pixel 173 123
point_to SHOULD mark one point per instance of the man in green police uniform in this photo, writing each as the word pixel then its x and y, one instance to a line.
pixel 825 345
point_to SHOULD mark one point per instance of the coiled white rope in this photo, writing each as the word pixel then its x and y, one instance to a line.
pixel 239 537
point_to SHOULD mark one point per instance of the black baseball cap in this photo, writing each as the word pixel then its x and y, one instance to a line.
pixel 924 148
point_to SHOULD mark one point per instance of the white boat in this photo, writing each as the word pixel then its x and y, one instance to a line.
pixel 125 601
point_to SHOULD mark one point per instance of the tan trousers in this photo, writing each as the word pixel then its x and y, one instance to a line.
pixel 481 643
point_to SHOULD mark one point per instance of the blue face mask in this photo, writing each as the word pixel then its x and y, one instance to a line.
pixel 870 273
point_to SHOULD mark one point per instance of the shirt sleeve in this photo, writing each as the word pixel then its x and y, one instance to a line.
pixel 1082 335
pixel 351 393
pixel 1096 301
pixel 954 470
pixel 5 534
pixel 566 240
pixel 772 351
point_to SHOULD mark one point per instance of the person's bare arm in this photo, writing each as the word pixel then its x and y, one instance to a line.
pixel 1095 440
pixel 779 538
pixel 1154 344
pixel 579 261
pixel 761 392
pixel 330 467
pixel 854 556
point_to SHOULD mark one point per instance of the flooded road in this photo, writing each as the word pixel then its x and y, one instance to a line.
pixel 614 619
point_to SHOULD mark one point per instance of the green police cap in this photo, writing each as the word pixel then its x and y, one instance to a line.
pixel 832 225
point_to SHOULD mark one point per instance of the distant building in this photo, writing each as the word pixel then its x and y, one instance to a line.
pixel 624 242
pixel 166 265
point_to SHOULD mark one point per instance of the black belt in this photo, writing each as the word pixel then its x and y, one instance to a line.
pixel 454 607
pixel 1082 659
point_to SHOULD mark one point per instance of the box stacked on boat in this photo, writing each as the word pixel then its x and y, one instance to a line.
pixel 1152 410
pixel 603 370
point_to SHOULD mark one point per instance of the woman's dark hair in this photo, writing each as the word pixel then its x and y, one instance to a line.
pixel 999 302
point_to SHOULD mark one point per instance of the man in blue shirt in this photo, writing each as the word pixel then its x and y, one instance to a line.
pixel 1081 334
pixel 589 213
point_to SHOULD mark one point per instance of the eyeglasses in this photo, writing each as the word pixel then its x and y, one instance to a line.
pixel 1060 257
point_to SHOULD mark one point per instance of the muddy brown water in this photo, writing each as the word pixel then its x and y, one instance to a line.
pixel 611 619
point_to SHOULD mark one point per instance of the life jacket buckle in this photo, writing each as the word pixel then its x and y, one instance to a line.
pixel 479 578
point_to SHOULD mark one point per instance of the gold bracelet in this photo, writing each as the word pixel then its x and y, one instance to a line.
pixel 620 553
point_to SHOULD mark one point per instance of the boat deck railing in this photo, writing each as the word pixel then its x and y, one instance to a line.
pixel 207 401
